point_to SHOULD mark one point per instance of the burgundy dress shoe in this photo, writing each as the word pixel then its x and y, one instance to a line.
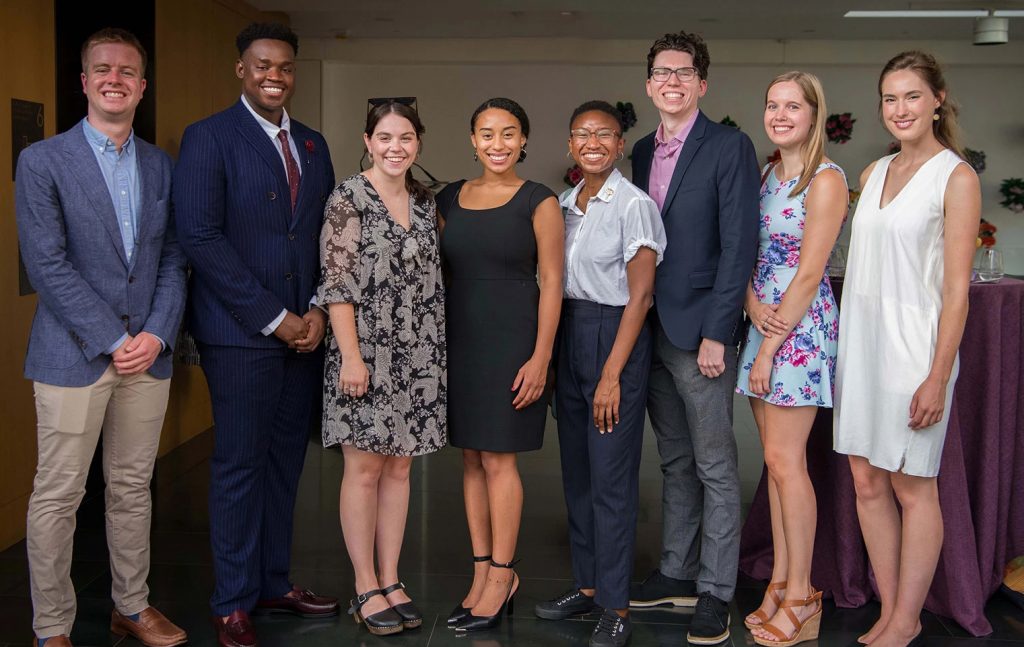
pixel 152 628
pixel 236 631
pixel 54 641
pixel 300 602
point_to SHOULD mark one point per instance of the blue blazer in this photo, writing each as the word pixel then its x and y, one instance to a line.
pixel 89 294
pixel 250 257
pixel 711 215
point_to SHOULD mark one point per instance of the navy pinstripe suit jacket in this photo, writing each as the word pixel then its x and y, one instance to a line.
pixel 250 256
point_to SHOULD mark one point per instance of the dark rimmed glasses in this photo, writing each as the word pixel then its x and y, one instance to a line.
pixel 684 74
pixel 583 135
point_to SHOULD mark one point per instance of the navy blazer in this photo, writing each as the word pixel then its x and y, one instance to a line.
pixel 711 216
pixel 89 294
pixel 250 256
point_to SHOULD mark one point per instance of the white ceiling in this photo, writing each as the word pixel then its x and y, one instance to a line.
pixel 626 19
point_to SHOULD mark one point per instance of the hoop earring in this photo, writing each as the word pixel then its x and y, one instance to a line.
pixel 568 154
pixel 621 156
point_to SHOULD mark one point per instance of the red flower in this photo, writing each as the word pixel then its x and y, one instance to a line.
pixel 309 145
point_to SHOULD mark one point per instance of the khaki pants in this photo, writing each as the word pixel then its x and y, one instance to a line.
pixel 129 411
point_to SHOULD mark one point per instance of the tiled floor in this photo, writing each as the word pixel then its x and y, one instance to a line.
pixel 435 564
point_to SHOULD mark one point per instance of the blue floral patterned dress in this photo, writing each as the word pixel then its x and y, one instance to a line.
pixel 804 367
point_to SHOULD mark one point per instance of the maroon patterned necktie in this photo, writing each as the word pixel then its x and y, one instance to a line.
pixel 293 168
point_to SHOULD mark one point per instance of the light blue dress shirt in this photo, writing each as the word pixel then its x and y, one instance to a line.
pixel 120 171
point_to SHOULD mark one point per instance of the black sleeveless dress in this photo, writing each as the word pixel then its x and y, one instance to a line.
pixel 490 256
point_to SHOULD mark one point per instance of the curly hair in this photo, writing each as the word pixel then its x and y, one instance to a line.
pixel 271 30
pixel 682 41
pixel 598 106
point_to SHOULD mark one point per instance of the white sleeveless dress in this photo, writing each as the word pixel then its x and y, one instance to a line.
pixel 889 319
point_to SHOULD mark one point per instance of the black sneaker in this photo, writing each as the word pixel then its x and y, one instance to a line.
pixel 661 589
pixel 571 603
pixel 710 624
pixel 612 630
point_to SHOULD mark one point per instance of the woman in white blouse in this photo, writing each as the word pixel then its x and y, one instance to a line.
pixel 614 238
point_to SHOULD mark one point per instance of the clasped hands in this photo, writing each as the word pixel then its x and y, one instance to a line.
pixel 304 333
pixel 136 354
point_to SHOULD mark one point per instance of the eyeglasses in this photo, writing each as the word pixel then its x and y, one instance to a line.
pixel 375 102
pixel 582 135
pixel 684 74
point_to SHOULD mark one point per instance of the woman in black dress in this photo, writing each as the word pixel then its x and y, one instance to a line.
pixel 500 235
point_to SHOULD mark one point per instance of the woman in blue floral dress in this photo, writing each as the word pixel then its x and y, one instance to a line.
pixel 788 361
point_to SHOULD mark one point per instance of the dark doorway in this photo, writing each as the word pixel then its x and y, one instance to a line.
pixel 75 21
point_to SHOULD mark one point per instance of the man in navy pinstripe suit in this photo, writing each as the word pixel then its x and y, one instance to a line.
pixel 249 194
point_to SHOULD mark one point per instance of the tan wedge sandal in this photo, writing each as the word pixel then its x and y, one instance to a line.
pixel 776 597
pixel 803 631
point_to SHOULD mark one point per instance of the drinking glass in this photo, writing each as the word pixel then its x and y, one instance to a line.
pixel 990 265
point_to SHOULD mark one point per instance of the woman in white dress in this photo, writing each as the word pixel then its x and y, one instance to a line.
pixel 902 315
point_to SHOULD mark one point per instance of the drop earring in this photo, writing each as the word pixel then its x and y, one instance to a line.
pixel 935 117
pixel 475 157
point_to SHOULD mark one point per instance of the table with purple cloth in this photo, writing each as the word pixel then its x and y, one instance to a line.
pixel 981 478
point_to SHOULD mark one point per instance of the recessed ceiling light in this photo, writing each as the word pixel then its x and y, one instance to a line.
pixel 936 13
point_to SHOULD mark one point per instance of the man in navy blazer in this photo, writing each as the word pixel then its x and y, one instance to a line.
pixel 704 177
pixel 249 194
pixel 94 225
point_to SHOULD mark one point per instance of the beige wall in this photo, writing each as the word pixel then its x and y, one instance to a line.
pixel 551 77
pixel 26 37
pixel 195 56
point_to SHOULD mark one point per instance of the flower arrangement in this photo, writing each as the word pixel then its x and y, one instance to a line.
pixel 986 234
pixel 628 114
pixel 1012 190
pixel 573 175
pixel 727 121
pixel 976 159
pixel 839 127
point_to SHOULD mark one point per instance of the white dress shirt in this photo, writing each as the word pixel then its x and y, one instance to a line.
pixel 620 219
pixel 272 130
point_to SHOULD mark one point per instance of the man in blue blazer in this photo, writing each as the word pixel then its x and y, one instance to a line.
pixel 704 177
pixel 94 225
pixel 249 194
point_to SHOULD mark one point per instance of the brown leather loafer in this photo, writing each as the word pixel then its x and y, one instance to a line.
pixel 236 631
pixel 152 628
pixel 299 602
pixel 54 641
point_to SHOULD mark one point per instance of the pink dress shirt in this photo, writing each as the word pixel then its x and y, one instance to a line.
pixel 666 154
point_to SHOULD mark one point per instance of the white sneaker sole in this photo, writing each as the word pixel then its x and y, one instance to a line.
pixel 710 640
pixel 674 601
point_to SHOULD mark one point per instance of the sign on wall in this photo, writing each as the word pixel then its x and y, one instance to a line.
pixel 26 128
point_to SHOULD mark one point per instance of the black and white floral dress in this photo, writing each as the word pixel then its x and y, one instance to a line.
pixel 393 279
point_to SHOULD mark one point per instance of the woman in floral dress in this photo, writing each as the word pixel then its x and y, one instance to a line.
pixel 385 372
pixel 787 366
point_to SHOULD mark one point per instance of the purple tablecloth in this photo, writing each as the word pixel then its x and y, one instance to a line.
pixel 981 479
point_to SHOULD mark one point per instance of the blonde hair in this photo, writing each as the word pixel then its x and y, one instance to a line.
pixel 814 147
pixel 945 128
